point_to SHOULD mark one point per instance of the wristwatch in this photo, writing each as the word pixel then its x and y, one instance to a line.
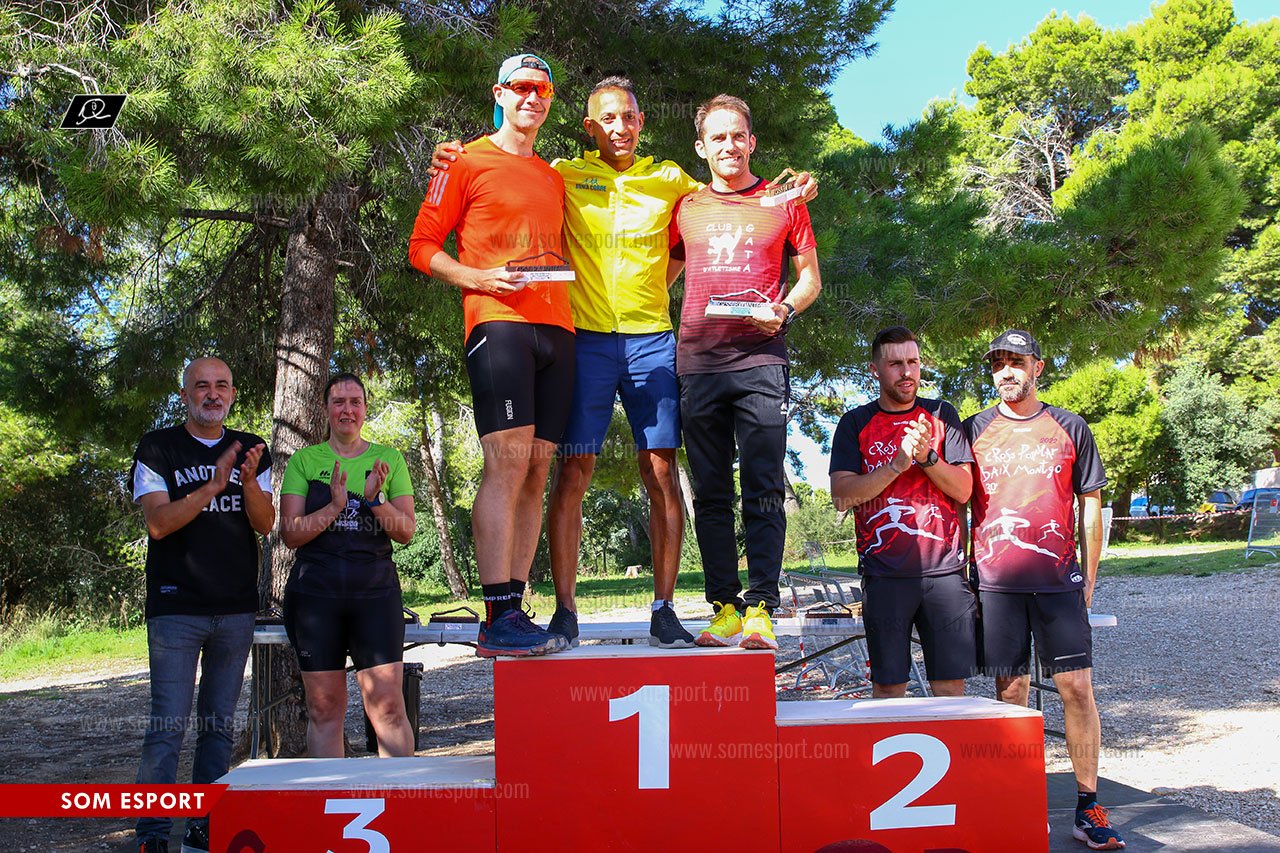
pixel 791 313
pixel 930 460
pixel 378 500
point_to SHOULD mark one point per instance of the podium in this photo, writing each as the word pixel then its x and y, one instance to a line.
pixel 629 748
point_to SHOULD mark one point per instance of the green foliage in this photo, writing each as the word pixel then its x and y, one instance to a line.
pixel 1217 438
pixel 1123 411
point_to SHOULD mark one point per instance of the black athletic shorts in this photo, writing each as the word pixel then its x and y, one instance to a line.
pixel 942 609
pixel 521 374
pixel 1058 620
pixel 325 631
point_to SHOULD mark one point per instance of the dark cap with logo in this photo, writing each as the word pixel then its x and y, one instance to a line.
pixel 1015 341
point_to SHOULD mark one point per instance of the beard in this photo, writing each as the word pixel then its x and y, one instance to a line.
pixel 900 396
pixel 207 417
pixel 1016 392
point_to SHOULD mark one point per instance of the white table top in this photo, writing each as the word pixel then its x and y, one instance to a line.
pixel 462 632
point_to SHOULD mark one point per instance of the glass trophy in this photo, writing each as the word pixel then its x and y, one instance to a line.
pixel 542 272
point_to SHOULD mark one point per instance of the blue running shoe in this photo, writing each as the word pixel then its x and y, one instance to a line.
pixel 1093 828
pixel 513 635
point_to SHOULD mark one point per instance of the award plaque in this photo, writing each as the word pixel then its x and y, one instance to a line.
pixel 542 272
pixel 780 191
pixel 728 306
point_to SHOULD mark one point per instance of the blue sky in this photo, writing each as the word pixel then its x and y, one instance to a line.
pixel 924 46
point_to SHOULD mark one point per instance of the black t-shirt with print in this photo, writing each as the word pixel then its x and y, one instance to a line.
pixel 210 565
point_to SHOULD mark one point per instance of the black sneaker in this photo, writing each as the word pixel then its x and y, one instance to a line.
pixel 197 838
pixel 153 845
pixel 565 623
pixel 513 635
pixel 666 632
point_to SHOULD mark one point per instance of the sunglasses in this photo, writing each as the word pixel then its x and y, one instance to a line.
pixel 524 87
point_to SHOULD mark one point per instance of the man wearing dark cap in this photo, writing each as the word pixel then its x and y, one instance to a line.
pixel 506 205
pixel 1033 463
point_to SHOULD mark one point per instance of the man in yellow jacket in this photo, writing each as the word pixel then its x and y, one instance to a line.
pixel 618 209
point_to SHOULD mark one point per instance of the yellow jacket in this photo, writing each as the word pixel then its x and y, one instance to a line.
pixel 615 237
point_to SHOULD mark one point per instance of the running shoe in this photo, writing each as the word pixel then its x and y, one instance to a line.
pixel 153 845
pixel 197 838
pixel 1093 828
pixel 757 629
pixel 513 635
pixel 565 623
pixel 665 630
pixel 725 627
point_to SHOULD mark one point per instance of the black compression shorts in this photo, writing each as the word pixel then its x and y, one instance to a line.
pixel 324 630
pixel 943 611
pixel 521 374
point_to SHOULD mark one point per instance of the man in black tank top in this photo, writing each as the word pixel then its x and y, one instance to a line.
pixel 205 493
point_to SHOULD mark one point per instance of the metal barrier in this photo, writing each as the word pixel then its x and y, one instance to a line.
pixel 1264 526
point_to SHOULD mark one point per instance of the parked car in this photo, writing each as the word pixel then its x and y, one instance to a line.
pixel 1219 501
pixel 1140 507
pixel 1250 495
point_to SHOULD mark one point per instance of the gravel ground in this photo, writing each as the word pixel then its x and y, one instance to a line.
pixel 1188 686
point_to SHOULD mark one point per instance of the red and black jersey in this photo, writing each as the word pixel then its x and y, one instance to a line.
pixel 912 528
pixel 730 243
pixel 1027 472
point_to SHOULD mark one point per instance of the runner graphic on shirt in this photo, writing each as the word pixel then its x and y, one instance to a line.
pixel 1053 528
pixel 896 509
pixel 1007 523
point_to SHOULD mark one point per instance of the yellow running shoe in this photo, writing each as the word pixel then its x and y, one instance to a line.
pixel 725 627
pixel 757 629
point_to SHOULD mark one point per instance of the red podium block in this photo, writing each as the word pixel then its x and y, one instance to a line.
pixel 629 748
pixel 912 775
pixel 356 805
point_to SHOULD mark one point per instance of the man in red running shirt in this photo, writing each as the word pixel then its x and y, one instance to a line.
pixel 1033 463
pixel 732 240
pixel 903 464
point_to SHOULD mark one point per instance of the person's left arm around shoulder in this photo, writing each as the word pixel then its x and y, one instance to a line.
pixel 395 515
pixel 257 503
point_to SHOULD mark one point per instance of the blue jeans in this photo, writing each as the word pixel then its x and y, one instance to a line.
pixel 174 644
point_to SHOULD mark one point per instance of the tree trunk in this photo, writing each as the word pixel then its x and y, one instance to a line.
pixel 304 347
pixel 440 514
pixel 686 491
pixel 790 501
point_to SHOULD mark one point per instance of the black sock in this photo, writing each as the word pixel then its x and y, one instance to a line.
pixel 517 591
pixel 497 600
pixel 1085 799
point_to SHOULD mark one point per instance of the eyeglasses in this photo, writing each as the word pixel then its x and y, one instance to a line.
pixel 524 87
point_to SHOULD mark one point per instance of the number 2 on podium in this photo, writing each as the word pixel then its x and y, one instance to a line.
pixel 652 703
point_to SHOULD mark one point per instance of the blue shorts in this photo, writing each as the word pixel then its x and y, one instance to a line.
pixel 639 368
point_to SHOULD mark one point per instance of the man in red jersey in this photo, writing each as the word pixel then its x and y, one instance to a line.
pixel 506 204
pixel 1033 464
pixel 732 240
pixel 903 464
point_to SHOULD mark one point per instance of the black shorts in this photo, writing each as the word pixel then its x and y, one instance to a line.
pixel 521 374
pixel 1058 620
pixel 942 609
pixel 324 631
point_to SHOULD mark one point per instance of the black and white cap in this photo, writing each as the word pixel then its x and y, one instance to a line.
pixel 1016 341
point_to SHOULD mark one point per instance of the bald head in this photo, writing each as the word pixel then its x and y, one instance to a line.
pixel 207 392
